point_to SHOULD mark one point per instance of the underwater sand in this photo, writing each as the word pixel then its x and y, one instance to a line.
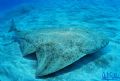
pixel 106 18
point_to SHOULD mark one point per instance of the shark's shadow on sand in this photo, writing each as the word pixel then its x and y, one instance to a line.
pixel 31 56
pixel 76 65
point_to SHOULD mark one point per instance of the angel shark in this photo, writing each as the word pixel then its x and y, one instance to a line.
pixel 59 47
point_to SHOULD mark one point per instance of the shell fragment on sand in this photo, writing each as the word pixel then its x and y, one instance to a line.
pixel 58 48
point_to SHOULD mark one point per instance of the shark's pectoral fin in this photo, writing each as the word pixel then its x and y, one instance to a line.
pixel 26 47
pixel 51 59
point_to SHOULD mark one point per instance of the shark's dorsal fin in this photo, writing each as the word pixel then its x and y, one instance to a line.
pixel 13 26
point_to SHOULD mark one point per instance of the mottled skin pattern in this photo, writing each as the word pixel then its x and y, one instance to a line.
pixel 58 48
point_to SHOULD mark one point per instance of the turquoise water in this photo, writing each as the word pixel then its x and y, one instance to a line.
pixel 102 15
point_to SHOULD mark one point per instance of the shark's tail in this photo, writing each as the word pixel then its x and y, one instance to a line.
pixel 12 26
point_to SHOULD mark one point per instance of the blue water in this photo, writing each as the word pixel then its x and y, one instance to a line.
pixel 103 15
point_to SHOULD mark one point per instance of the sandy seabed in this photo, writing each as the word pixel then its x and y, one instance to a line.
pixel 15 67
